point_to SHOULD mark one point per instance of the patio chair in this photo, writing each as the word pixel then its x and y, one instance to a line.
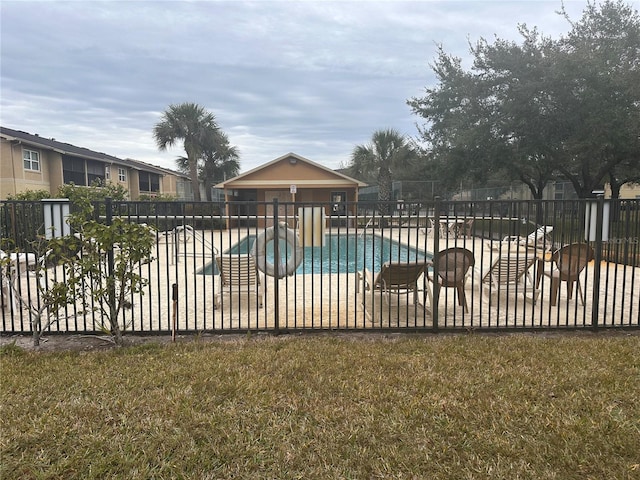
pixel 567 264
pixel 511 271
pixel 453 265
pixel 399 278
pixel 238 275
pixel 17 266
pixel 450 227
pixel 538 239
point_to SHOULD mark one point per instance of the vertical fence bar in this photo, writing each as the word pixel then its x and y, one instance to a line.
pixel 436 248
pixel 276 263
pixel 597 264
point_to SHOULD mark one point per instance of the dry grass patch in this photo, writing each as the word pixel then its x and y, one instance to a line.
pixel 511 407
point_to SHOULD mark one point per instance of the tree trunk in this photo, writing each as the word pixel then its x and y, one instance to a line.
pixel 208 186
pixel 192 160
pixel 615 187
pixel 193 174
pixel 615 194
pixel 536 190
pixel 35 327
pixel 384 191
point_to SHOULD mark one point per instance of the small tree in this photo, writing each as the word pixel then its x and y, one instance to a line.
pixel 107 264
pixel 51 293
pixel 100 262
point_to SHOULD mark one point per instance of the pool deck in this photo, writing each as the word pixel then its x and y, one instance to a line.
pixel 331 301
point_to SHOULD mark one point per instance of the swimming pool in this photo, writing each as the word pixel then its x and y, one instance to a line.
pixel 340 254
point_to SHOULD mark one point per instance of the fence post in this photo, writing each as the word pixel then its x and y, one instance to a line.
pixel 276 263
pixel 174 318
pixel 436 248
pixel 595 309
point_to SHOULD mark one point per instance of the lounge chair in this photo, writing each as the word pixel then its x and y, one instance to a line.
pixel 567 264
pixel 453 265
pixel 238 275
pixel 538 239
pixel 428 229
pixel 399 278
pixel 511 271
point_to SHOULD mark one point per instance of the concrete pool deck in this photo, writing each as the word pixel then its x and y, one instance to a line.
pixel 330 301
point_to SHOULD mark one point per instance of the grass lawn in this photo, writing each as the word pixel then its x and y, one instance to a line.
pixel 365 407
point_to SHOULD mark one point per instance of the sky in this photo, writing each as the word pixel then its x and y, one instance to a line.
pixel 315 78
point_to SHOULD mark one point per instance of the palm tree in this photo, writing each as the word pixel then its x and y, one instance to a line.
pixel 387 153
pixel 216 163
pixel 220 164
pixel 198 130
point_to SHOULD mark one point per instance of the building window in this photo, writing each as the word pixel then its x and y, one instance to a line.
pixel 73 170
pixel 107 172
pixel 338 206
pixel 95 172
pixel 149 182
pixel 122 175
pixel 31 160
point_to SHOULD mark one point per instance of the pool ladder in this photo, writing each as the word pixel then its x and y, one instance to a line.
pixel 180 234
pixel 365 227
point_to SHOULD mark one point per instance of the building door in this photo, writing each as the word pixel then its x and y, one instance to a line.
pixel 285 208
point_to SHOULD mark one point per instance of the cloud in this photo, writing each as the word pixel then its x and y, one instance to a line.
pixel 312 77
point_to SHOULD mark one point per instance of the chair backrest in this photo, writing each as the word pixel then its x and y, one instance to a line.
pixel 399 274
pixel 539 234
pixel 509 267
pixel 468 226
pixel 19 262
pixel 453 264
pixel 237 270
pixel 572 259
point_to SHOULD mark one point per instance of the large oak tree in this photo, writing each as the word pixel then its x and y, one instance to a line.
pixel 541 108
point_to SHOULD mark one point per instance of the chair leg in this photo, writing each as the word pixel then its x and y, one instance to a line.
pixel 580 292
pixel 428 293
pixel 539 271
pixel 6 296
pixel 555 287
pixel 462 298
pixel 216 299
pixel 364 303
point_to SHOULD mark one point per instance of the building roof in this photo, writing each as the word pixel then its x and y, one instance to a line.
pixel 36 140
pixel 140 165
pixel 253 179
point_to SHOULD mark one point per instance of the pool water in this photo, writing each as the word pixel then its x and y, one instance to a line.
pixel 340 254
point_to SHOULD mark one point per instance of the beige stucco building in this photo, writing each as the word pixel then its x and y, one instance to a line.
pixel 289 178
pixel 32 162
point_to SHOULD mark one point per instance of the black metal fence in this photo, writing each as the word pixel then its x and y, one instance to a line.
pixel 277 267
